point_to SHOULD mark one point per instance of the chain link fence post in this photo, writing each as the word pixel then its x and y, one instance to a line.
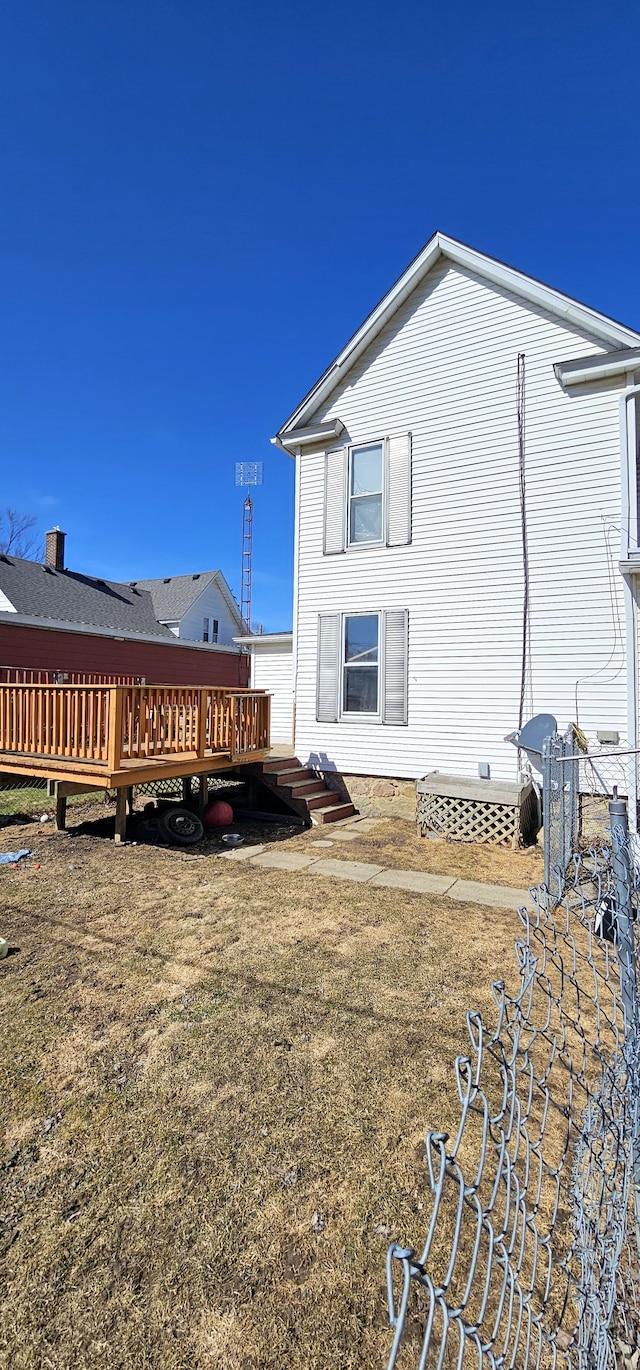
pixel 628 977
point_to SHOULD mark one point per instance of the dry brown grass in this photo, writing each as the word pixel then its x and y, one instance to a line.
pixel 395 842
pixel 216 1084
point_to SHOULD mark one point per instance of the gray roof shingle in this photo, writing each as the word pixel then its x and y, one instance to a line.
pixel 174 595
pixel 69 597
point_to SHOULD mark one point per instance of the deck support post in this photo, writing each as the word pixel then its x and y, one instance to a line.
pixel 121 813
pixel 203 793
pixel 186 789
pixel 61 812
pixel 130 799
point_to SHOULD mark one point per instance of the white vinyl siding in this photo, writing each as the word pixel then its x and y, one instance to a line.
pixel 444 370
pixel 210 605
pixel 272 670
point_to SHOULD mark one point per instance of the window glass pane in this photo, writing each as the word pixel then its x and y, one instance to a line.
pixel 366 470
pixel 365 522
pixel 360 690
pixel 361 639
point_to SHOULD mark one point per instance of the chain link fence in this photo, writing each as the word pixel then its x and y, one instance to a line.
pixel 530 1255
pixel 576 787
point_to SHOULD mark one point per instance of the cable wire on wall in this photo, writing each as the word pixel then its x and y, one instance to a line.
pixel 525 672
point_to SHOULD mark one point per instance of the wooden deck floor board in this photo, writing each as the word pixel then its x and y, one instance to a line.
pixel 137 771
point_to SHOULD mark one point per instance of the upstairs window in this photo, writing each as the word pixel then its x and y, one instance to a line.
pixel 360 672
pixel 210 630
pixel 367 495
pixel 366 478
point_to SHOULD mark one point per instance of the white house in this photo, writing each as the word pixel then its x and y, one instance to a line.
pixel 200 607
pixel 466 547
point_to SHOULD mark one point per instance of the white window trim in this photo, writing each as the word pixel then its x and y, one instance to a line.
pixel 355 716
pixel 211 627
pixel 382 540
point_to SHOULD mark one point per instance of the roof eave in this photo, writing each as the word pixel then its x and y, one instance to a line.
pixel 317 435
pixel 507 277
pixel 117 634
pixel 255 638
pixel 603 366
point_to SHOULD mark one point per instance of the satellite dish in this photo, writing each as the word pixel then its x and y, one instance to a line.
pixel 531 737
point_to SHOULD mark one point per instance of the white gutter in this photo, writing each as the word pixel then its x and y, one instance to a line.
pixel 319 434
pixel 117 635
pixel 265 637
pixel 629 539
pixel 600 368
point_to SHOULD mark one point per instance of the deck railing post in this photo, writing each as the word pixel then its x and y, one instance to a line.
pixel 204 697
pixel 233 750
pixel 116 716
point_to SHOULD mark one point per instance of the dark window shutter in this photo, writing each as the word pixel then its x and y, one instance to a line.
pixel 396 638
pixel 335 496
pixel 328 677
pixel 399 490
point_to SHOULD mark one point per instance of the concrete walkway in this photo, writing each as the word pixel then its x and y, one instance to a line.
pixel 415 882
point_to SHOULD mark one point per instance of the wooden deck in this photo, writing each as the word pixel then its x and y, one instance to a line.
pixel 105 736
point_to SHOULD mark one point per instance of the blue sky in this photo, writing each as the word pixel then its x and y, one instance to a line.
pixel 202 201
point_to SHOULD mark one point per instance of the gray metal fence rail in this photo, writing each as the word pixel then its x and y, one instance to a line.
pixel 530 1255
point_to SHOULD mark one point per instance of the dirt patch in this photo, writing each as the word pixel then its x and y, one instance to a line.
pixel 217 1081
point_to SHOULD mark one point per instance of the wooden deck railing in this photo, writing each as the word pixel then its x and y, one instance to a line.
pixel 112 724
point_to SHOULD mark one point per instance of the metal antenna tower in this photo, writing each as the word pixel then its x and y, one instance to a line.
pixel 248 473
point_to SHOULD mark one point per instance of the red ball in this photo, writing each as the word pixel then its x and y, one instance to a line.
pixel 217 815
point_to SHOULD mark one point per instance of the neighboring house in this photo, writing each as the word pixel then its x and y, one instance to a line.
pixel 473 403
pixel 198 607
pixel 272 670
pixel 55 619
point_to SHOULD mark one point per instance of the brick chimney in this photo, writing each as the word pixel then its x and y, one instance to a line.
pixel 54 549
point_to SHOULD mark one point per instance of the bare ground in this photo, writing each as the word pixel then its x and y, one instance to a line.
pixel 216 1083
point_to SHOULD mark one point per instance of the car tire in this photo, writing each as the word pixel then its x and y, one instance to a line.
pixel 180 826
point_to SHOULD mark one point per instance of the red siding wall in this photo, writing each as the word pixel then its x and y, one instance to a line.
pixel 54 650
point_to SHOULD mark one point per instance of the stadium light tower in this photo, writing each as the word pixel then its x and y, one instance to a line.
pixel 248 473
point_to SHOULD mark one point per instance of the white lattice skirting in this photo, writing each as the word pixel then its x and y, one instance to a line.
pixel 465 810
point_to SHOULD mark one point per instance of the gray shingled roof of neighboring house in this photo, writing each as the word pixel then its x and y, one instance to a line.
pixel 69 597
pixel 173 596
